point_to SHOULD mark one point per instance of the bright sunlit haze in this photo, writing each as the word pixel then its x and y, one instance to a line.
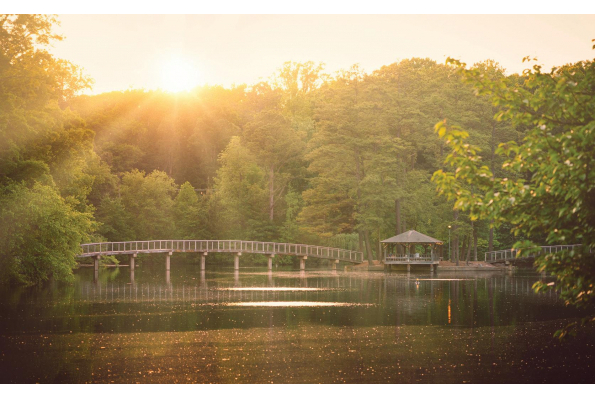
pixel 178 74
pixel 176 52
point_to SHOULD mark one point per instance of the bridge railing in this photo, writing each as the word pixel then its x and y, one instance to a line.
pixel 511 254
pixel 221 246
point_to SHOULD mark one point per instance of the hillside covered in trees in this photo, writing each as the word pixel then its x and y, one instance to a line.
pixel 342 159
pixel 304 157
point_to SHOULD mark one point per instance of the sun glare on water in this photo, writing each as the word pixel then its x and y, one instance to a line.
pixel 177 75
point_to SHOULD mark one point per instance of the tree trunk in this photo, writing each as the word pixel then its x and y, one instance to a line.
pixel 469 244
pixel 493 153
pixel 379 254
pixel 463 248
pixel 474 244
pixel 360 241
pixel 271 194
pixel 493 147
pixel 398 215
pixel 368 248
pixel 455 239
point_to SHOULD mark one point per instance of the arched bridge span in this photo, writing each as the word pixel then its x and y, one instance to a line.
pixel 237 247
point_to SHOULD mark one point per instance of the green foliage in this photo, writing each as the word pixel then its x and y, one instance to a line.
pixel 239 192
pixel 149 200
pixel 116 223
pixel 40 234
pixel 277 148
pixel 189 214
pixel 551 191
pixel 44 155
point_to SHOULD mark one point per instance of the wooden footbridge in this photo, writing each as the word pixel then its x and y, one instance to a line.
pixel 511 256
pixel 204 247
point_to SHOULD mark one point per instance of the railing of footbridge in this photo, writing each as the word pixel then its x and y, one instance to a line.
pixel 219 246
pixel 511 254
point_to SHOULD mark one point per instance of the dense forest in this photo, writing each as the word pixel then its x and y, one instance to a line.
pixel 304 157
pixel 343 159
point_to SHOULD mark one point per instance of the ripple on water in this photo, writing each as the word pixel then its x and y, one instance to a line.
pixel 293 304
pixel 275 289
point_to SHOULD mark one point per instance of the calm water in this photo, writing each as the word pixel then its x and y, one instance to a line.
pixel 287 326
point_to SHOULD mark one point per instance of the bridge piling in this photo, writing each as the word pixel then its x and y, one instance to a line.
pixel 203 258
pixel 334 264
pixel 270 261
pixel 303 262
pixel 132 257
pixel 167 261
pixel 236 261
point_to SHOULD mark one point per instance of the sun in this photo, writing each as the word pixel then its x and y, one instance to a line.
pixel 177 75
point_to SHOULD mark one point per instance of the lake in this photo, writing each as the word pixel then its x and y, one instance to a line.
pixel 289 326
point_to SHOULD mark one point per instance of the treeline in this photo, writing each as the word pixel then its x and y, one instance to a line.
pixel 343 160
pixel 304 157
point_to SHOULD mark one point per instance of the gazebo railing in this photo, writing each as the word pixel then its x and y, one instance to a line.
pixel 411 258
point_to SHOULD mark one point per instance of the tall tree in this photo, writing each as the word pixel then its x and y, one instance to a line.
pixel 189 214
pixel 277 148
pixel 240 190
pixel 149 198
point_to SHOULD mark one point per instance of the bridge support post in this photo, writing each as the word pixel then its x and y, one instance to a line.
pixel 236 261
pixel 132 264
pixel 408 267
pixel 167 267
pixel 303 262
pixel 203 260
pixel 132 257
pixel 270 261
pixel 168 261
pixel 431 268
pixel 334 264
pixel 96 268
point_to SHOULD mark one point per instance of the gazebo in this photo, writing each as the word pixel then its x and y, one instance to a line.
pixel 401 250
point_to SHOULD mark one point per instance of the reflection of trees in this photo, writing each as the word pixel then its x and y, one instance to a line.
pixel 417 300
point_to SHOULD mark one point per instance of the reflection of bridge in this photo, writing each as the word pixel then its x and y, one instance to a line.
pixel 511 255
pixel 237 247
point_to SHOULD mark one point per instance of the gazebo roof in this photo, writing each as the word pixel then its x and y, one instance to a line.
pixel 411 236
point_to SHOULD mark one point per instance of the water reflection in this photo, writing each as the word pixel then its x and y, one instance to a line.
pixel 293 304
pixel 354 321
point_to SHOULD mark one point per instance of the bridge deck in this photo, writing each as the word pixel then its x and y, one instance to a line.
pixel 511 255
pixel 218 246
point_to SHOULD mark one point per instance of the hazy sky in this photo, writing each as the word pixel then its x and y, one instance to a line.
pixel 152 51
